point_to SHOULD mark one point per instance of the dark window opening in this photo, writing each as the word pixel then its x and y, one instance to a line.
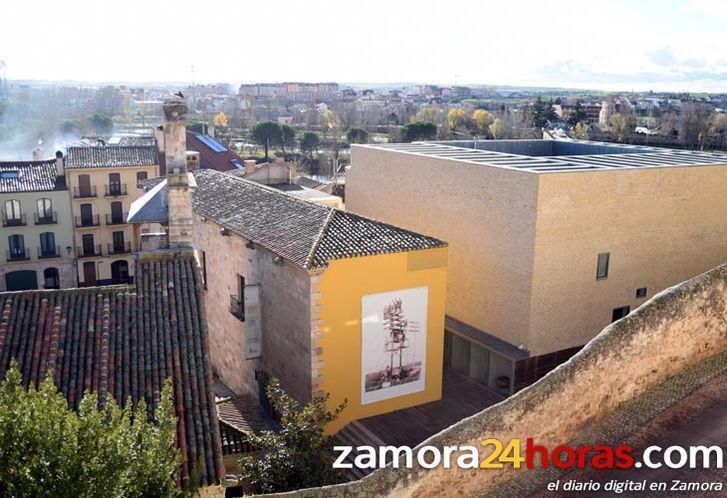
pixel 204 269
pixel 641 292
pixel 237 302
pixel 602 266
pixel 619 313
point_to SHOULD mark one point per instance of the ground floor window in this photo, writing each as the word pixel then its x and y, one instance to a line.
pixel 478 363
pixel 52 278
pixel 120 272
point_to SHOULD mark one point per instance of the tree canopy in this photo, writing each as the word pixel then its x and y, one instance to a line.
pixel 267 133
pixel 419 130
pixel 309 142
pixel 578 115
pixel 457 119
pixel 357 136
pixel 297 456
pixel 482 120
pixel 48 449
pixel 542 112
pixel 100 124
pixel 287 137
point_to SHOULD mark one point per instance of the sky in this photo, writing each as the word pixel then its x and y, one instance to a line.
pixel 672 45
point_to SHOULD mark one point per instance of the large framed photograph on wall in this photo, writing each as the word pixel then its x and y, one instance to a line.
pixel 394 343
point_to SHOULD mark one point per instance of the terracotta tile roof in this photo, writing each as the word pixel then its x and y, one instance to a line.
pixel 305 233
pixel 124 341
pixel 111 156
pixel 243 413
pixel 30 176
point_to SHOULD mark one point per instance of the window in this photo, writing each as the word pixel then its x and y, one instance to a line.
pixel 45 208
pixel 118 238
pixel 12 210
pixel 140 177
pixel 602 267
pixel 88 245
pixel 204 268
pixel 641 292
pixel 619 313
pixel 17 247
pixel 478 363
pixel 48 245
pixel 237 302
pixel 52 278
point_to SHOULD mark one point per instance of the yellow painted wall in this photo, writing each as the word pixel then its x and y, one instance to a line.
pixel 341 288
pixel 103 234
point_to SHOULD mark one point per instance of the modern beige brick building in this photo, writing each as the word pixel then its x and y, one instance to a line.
pixel 549 240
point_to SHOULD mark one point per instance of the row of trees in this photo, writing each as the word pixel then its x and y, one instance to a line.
pixel 270 134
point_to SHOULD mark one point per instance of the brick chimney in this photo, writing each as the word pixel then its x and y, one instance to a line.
pixel 179 191
pixel 249 165
pixel 37 154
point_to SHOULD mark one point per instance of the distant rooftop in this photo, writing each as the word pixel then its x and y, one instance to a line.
pixel 543 156
pixel 30 176
pixel 111 156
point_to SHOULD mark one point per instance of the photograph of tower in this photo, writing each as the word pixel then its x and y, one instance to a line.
pixel 394 344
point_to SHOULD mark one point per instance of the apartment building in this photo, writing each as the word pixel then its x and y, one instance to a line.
pixel 103 181
pixel 549 241
pixel 36 245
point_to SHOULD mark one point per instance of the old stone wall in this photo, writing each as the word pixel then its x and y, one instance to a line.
pixel 670 334
pixel 285 303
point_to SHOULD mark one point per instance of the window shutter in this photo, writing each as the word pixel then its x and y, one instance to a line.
pixel 253 328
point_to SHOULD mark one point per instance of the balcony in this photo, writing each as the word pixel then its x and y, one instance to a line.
pixel 119 248
pixel 84 192
pixel 237 308
pixel 87 221
pixel 14 222
pixel 115 189
pixel 116 220
pixel 49 252
pixel 47 218
pixel 16 254
pixel 89 251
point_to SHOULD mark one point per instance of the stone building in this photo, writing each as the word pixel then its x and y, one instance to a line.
pixel 104 180
pixel 36 245
pixel 550 241
pixel 324 300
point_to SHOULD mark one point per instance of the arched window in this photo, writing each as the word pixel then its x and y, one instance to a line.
pixel 13 216
pixel 120 272
pixel 52 278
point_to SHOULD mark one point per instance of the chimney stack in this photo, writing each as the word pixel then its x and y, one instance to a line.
pixel 60 164
pixel 179 193
pixel 192 160
pixel 37 154
pixel 249 165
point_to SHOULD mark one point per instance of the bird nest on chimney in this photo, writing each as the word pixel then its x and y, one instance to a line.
pixel 175 110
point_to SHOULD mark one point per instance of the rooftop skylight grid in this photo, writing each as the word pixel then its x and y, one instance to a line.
pixel 576 155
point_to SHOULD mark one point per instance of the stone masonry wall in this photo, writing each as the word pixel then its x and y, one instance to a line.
pixel 676 330
pixel 286 306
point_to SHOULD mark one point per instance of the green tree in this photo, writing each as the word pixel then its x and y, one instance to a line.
pixel 542 112
pixel 357 136
pixel 578 115
pixel 47 449
pixel 419 130
pixel 100 124
pixel 309 142
pixel 287 137
pixel 297 456
pixel 267 134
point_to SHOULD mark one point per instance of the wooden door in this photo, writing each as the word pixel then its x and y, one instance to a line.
pixel 89 274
